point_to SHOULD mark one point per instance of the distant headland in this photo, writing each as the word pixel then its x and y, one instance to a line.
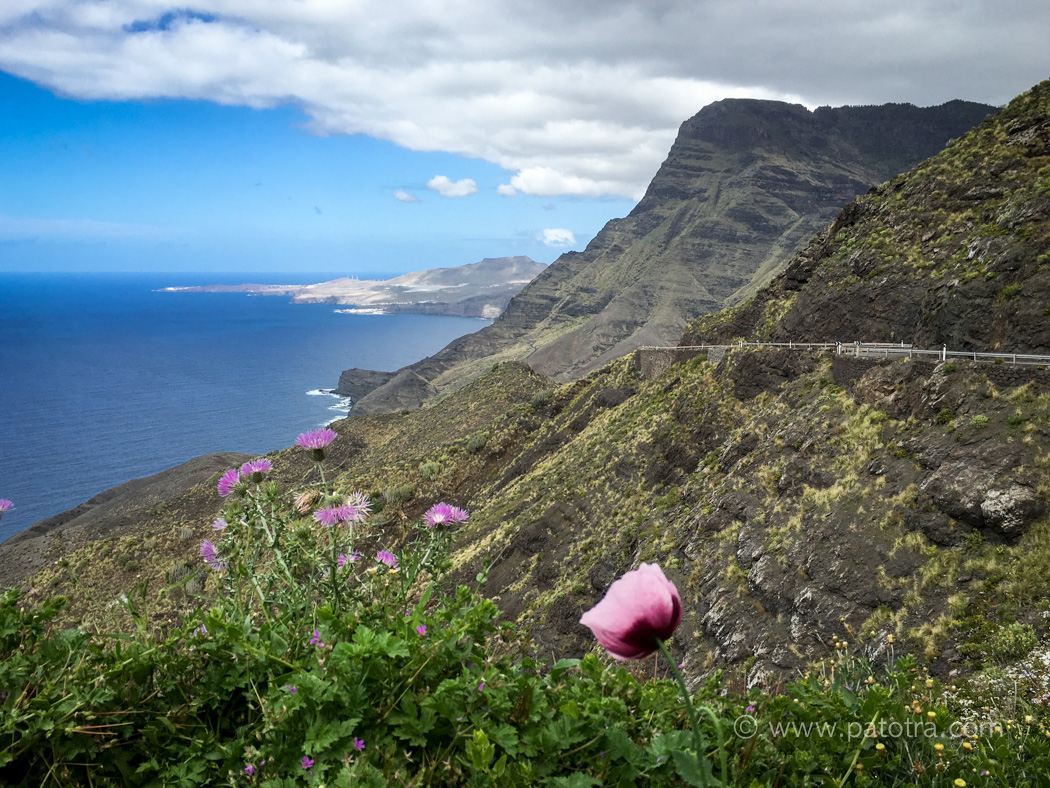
pixel 481 289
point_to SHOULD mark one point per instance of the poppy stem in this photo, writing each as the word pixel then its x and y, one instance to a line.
pixel 706 710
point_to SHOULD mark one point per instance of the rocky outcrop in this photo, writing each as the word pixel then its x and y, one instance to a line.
pixel 745 184
pixel 356 383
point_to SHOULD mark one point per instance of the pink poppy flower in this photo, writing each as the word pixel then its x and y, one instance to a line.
pixel 640 607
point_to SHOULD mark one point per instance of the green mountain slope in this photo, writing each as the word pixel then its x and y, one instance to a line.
pixel 955 252
pixel 791 497
pixel 745 184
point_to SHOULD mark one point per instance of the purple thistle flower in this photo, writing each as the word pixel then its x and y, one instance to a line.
pixel 333 515
pixel 229 481
pixel 211 555
pixel 362 506
pixel 6 505
pixel 259 466
pixel 307 762
pixel 316 439
pixel 218 524
pixel 345 559
pixel 387 558
pixel 327 517
pixel 359 744
pixel 443 514
pixel 422 629
pixel 249 770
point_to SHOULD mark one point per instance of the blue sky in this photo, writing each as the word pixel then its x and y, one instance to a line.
pixel 374 137
pixel 194 186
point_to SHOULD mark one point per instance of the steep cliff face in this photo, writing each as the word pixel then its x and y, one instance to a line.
pixel 955 252
pixel 745 184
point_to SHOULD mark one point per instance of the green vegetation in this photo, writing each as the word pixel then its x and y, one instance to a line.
pixel 314 663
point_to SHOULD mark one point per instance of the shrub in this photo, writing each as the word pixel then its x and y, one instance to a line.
pixel 541 399
pixel 429 471
pixel 949 368
pixel 945 416
pixel 477 442
pixel 397 494
pixel 1012 641
pixel 1011 291
pixel 979 421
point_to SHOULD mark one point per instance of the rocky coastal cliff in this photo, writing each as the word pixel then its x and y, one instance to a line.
pixel 745 184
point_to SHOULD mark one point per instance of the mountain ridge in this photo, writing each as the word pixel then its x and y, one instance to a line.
pixel 746 182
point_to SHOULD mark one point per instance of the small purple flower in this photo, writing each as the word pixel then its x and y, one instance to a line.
pixel 218 524
pixel 481 686
pixel 201 630
pixel 228 481
pixel 316 640
pixel 249 770
pixel 259 466
pixel 359 744
pixel 443 514
pixel 333 515
pixel 315 441
pixel 362 506
pixel 422 629
pixel 6 505
pixel 307 762
pixel 345 559
pixel 291 688
pixel 210 555
pixel 387 558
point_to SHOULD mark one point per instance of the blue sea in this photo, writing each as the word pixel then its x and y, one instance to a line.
pixel 103 379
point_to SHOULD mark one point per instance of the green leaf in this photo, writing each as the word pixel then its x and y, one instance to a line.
pixel 278 645
pixel 694 770
pixel 480 751
pixel 570 708
pixel 562 665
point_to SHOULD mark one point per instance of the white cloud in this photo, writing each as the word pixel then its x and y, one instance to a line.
pixel 558 236
pixel 449 188
pixel 506 190
pixel 572 98
pixel 403 196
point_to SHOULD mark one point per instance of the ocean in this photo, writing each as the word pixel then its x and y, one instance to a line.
pixel 103 379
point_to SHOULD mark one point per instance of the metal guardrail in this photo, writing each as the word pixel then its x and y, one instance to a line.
pixel 878 350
